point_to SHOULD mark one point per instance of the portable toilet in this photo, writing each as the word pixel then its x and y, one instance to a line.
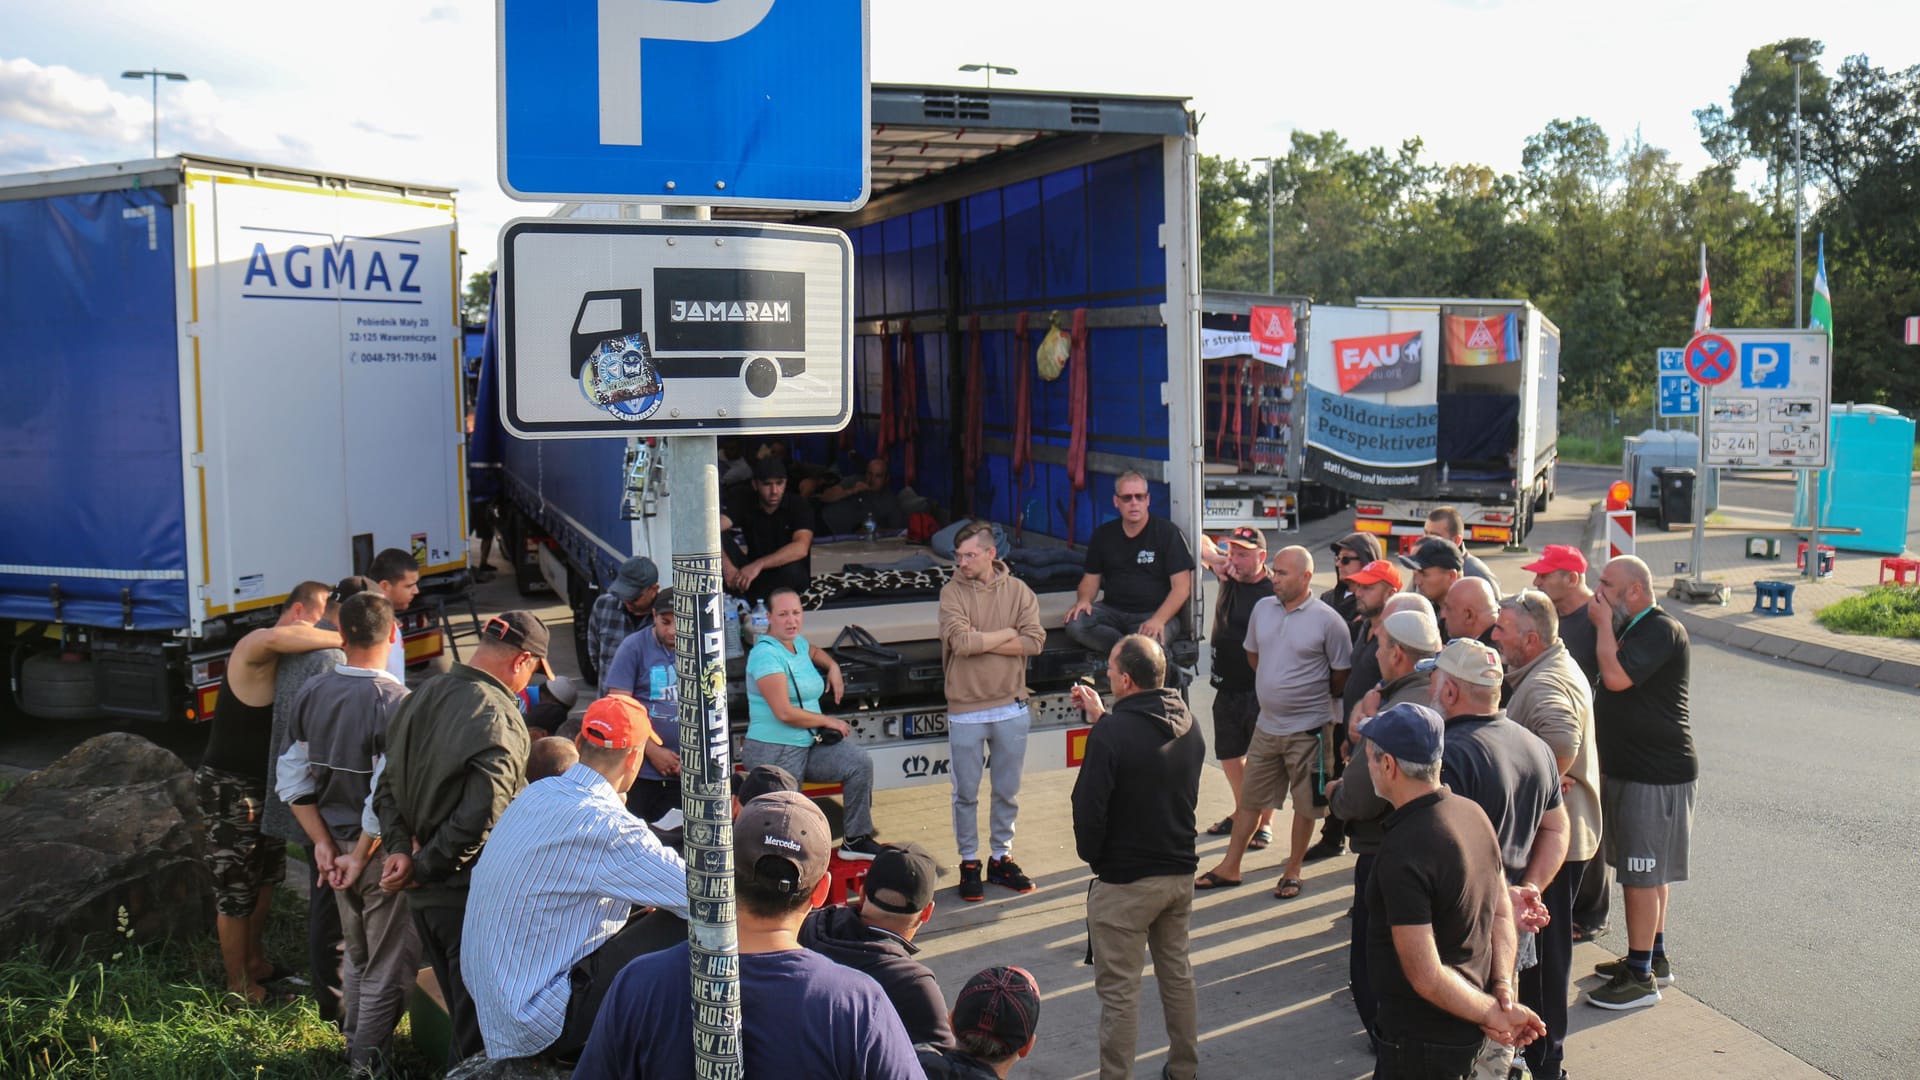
pixel 1872 459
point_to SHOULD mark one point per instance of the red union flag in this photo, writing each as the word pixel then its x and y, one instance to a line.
pixel 1378 364
pixel 1273 336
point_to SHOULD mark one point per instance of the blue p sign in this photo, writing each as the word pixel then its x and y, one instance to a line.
pixel 1766 365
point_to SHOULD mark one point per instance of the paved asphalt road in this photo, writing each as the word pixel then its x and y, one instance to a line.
pixel 1800 919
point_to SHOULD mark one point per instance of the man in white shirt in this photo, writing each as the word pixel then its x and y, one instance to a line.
pixel 399 579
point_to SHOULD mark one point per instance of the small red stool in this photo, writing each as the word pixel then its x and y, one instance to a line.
pixel 849 877
pixel 1901 568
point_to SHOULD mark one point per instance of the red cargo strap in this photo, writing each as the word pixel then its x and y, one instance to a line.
pixel 973 434
pixel 1022 403
pixel 1079 398
pixel 907 425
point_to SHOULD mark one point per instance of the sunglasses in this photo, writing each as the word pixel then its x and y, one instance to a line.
pixel 1141 497
pixel 1345 559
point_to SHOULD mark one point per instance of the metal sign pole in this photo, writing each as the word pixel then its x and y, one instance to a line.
pixel 1699 553
pixel 699 628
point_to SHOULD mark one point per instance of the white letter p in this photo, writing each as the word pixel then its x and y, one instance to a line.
pixel 624 24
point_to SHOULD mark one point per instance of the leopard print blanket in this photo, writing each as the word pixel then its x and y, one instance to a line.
pixel 879 583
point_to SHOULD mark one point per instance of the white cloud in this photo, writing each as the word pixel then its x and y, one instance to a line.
pixel 62 100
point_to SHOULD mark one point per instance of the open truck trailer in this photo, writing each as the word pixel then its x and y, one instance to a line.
pixel 994 216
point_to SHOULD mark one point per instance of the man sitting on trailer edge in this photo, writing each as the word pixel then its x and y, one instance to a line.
pixel 774 544
pixel 1141 569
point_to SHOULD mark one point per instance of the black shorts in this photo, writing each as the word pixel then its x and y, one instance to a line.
pixel 1234 713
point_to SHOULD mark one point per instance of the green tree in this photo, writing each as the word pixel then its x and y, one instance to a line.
pixel 478 294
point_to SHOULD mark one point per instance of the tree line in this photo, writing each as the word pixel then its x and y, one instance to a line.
pixel 1604 235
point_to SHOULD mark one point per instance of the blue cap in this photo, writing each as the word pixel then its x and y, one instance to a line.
pixel 1411 733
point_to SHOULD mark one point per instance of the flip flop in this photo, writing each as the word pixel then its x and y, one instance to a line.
pixel 1223 828
pixel 1260 839
pixel 1211 880
pixel 1288 888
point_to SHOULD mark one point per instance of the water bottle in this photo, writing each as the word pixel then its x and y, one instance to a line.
pixel 735 648
pixel 760 619
pixel 868 527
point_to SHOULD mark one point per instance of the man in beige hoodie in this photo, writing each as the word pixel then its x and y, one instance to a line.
pixel 989 625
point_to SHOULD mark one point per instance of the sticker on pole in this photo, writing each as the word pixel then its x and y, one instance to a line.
pixel 1709 359
pixel 636 328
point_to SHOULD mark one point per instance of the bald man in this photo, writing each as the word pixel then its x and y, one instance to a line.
pixel 1648 770
pixel 1300 653
pixel 1470 610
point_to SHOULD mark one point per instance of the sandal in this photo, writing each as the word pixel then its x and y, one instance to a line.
pixel 1288 888
pixel 1211 880
pixel 1260 839
pixel 1224 827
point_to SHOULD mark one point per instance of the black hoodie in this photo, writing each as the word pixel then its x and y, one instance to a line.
pixel 838 934
pixel 1133 802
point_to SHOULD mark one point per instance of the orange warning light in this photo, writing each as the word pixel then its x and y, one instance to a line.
pixel 1620 495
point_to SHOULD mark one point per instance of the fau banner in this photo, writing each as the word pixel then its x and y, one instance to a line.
pixel 1482 342
pixel 1378 364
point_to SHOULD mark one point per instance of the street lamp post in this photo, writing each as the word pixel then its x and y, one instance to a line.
pixel 1269 164
pixel 156 75
pixel 991 70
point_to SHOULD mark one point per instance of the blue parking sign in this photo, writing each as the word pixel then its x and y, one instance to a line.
pixel 1679 395
pixel 727 102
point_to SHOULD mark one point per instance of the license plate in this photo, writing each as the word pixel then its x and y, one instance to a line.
pixel 1226 509
pixel 932 725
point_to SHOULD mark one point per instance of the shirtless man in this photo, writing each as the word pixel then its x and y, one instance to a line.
pixel 232 785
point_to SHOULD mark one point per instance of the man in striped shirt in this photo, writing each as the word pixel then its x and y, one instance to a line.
pixel 549 918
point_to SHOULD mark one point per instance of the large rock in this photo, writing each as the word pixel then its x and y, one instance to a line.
pixel 480 1067
pixel 113 824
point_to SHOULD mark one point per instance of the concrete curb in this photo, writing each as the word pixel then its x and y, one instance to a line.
pixel 1831 658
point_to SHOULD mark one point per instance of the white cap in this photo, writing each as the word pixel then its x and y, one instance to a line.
pixel 1470 662
pixel 1413 629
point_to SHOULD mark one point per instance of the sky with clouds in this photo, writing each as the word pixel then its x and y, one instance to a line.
pixel 403 90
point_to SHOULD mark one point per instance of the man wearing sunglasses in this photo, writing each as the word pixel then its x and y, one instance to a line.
pixel 1140 568
pixel 1351 553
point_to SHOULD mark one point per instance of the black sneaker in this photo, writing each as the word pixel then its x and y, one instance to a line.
pixel 1004 871
pixel 859 848
pixel 970 886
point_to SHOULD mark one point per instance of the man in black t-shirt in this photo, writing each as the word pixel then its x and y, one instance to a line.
pixel 1240 562
pixel 1647 770
pixel 1440 934
pixel 774 536
pixel 1140 568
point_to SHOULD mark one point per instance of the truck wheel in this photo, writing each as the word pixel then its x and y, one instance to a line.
pixel 52 688
pixel 1540 500
pixel 581 601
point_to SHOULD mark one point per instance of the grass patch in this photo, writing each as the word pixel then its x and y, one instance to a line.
pixel 1882 611
pixel 1589 450
pixel 156 1011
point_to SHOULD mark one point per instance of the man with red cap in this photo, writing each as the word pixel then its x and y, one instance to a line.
pixel 548 921
pixel 1561 573
pixel 1239 560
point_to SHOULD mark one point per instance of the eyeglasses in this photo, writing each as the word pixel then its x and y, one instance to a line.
pixel 1140 497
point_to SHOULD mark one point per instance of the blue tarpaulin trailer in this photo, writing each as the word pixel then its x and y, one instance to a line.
pixel 989 209
pixel 222 379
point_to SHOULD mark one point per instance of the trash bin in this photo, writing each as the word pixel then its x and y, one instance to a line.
pixel 1676 495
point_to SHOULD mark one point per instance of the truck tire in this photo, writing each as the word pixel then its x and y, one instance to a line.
pixel 53 688
pixel 581 601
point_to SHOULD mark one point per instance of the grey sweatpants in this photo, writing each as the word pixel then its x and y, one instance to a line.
pixel 1002 746
pixel 383 955
pixel 843 763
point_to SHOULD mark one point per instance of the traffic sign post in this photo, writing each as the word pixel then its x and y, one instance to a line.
pixel 728 102
pixel 625 328
pixel 619 329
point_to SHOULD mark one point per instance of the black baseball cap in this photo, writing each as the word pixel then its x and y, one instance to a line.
pixel 769 468
pixel 521 629
pixel 1432 552
pixel 782 842
pixel 902 879
pixel 1002 1004
pixel 761 779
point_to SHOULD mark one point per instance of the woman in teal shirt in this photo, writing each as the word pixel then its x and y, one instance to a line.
pixel 784 721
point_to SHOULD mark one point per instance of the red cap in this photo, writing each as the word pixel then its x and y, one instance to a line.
pixel 617 723
pixel 1558 557
pixel 1375 572
pixel 1246 537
